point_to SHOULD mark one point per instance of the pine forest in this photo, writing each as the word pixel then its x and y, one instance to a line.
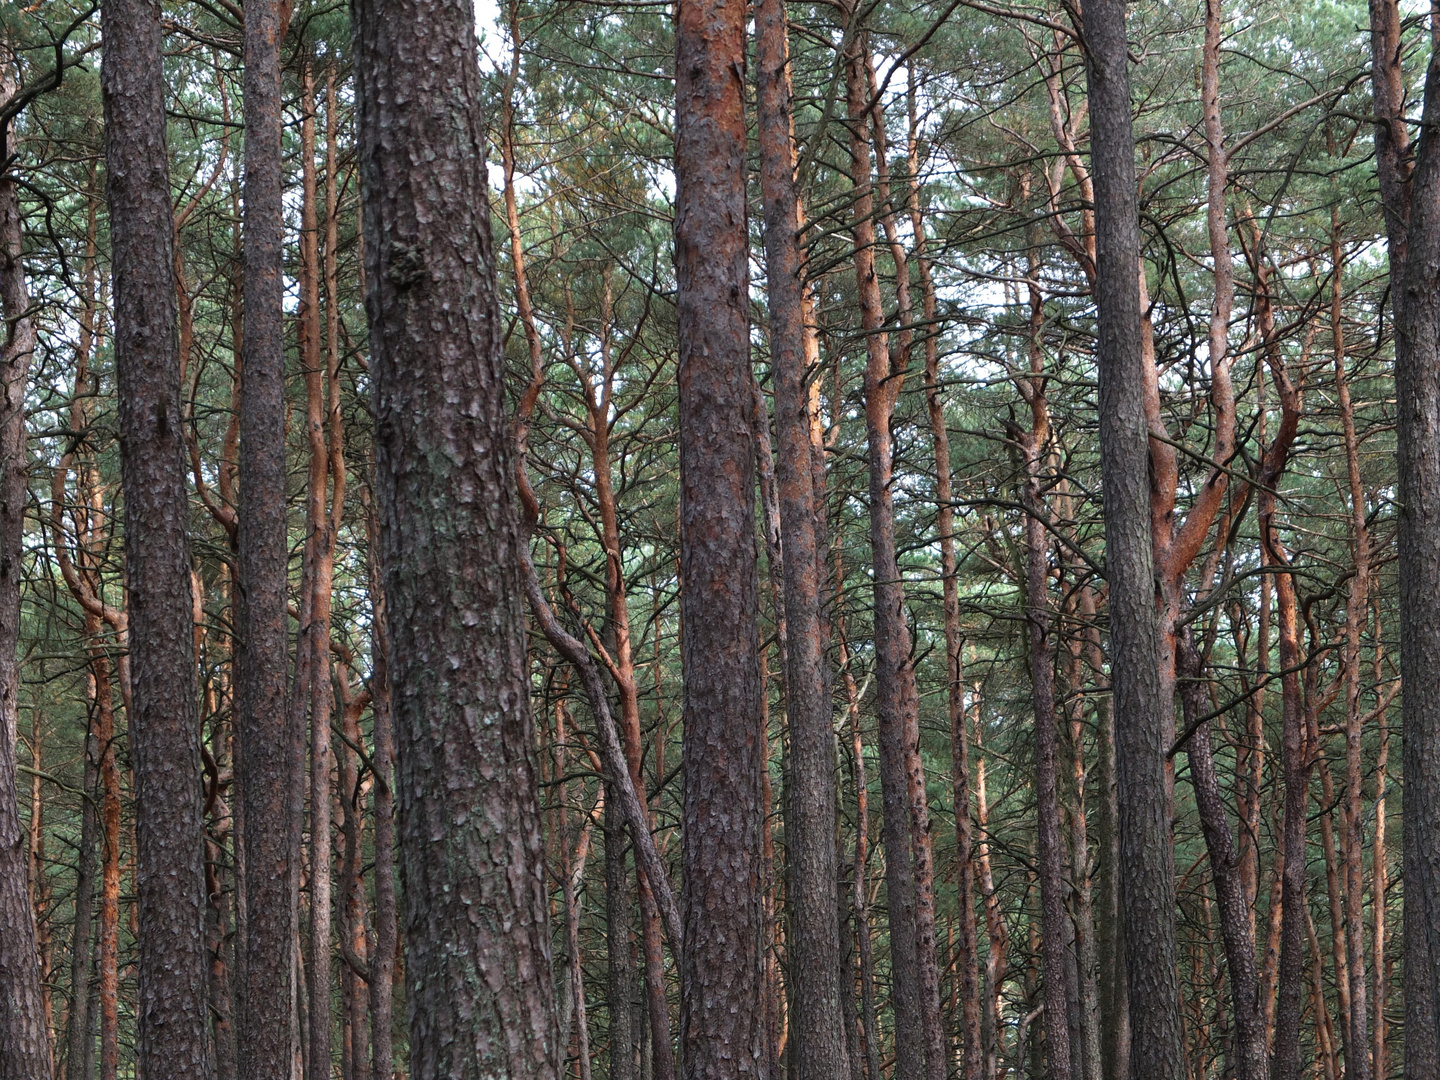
pixel 719 540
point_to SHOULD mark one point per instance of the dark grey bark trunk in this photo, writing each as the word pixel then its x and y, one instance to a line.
pixel 810 824
pixel 722 978
pixel 173 1016
pixel 478 965
pixel 1417 379
pixel 452 576
pixel 266 772
pixel 24 1041
pixel 622 991
pixel 1147 862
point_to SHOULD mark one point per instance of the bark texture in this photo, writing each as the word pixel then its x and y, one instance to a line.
pixel 813 856
pixel 266 778
pixel 721 982
pixel 1147 861
pixel 164 725
pixel 895 691
pixel 24 1040
pixel 1417 385
pixel 478 965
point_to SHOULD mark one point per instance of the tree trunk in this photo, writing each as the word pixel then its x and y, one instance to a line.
pixel 621 990
pixel 24 1041
pixel 810 824
pixel 895 691
pixel 1235 924
pixel 382 952
pixel 721 985
pixel 1357 607
pixel 478 965
pixel 79 1037
pixel 1055 922
pixel 164 726
pixel 1147 870
pixel 266 780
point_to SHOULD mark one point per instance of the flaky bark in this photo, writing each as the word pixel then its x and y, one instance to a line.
pixel 1416 290
pixel 478 965
pixel 24 1040
pixel 1148 884
pixel 266 779
pixel 164 726
pixel 810 823
pixel 721 984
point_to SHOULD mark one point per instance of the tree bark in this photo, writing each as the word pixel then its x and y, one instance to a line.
pixel 1357 607
pixel 382 952
pixel 895 691
pixel 267 781
pixel 1055 922
pixel 722 977
pixel 164 726
pixel 24 1041
pixel 1147 867
pixel 478 966
pixel 1417 381
pixel 810 824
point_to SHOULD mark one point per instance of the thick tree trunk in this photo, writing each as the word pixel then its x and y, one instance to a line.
pixel 266 779
pixel 896 697
pixel 24 1040
pixel 478 966
pixel 810 823
pixel 164 726
pixel 1147 870
pixel 1417 379
pixel 721 985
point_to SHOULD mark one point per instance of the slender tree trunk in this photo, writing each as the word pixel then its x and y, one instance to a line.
pixel 266 781
pixel 322 524
pixel 895 679
pixel 79 1041
pixel 722 972
pixel 1357 607
pixel 1055 923
pixel 622 991
pixel 1296 765
pixel 1235 924
pixel 1379 885
pixel 967 955
pixel 870 1029
pixel 79 1037
pixel 164 726
pixel 810 824
pixel 382 952
pixel 1147 869
pixel 24 1040
pixel 478 965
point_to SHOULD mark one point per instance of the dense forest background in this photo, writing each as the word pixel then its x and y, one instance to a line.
pixel 1273 491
